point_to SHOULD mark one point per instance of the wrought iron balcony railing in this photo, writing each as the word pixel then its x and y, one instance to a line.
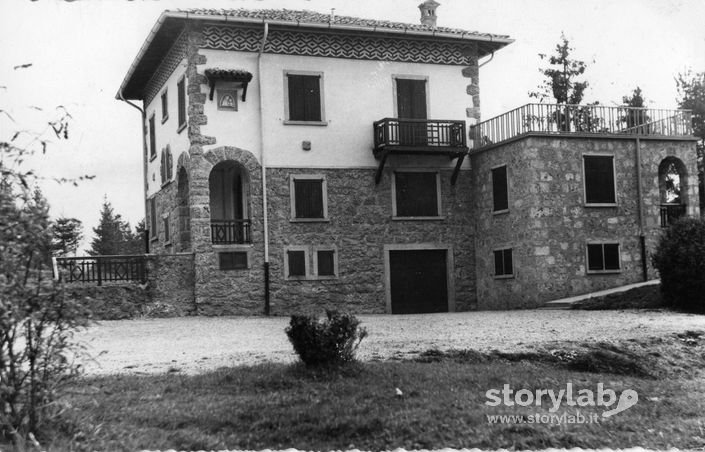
pixel 225 232
pixel 100 269
pixel 419 135
pixel 669 213
pixel 563 119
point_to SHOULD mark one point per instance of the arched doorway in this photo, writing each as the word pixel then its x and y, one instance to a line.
pixel 673 183
pixel 229 203
pixel 183 211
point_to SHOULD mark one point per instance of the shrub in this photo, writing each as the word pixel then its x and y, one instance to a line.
pixel 680 260
pixel 332 341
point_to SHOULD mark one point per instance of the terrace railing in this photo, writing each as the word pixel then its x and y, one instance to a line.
pixel 419 134
pixel 225 232
pixel 561 119
pixel 100 269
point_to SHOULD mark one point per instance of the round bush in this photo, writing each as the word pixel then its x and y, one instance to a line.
pixel 680 260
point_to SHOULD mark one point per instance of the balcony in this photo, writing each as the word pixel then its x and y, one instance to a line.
pixel 229 232
pixel 669 213
pixel 581 120
pixel 419 137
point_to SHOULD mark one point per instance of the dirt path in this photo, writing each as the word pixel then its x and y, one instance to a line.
pixel 195 344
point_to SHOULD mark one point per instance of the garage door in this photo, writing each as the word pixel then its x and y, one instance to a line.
pixel 418 280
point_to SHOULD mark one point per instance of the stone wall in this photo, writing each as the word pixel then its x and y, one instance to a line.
pixel 548 225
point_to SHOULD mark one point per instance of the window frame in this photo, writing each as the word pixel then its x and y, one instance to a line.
pixel 503 250
pixel 314 255
pixel 152 137
pixel 292 197
pixel 603 270
pixel 307 264
pixel 165 105
pixel 234 268
pixel 181 104
pixel 287 118
pixel 614 182
pixel 439 197
pixel 496 211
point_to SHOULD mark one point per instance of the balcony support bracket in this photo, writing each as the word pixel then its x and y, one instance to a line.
pixel 458 164
pixel 380 168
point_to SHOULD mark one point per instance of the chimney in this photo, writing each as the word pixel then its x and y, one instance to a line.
pixel 428 12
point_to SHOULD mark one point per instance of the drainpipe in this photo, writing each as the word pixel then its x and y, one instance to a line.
pixel 144 161
pixel 265 221
pixel 639 192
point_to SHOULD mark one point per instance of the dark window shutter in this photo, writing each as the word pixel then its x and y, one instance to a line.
pixel 500 197
pixel 153 217
pixel 411 99
pixel 599 180
pixel 304 97
pixel 611 256
pixel 165 105
pixel 503 263
pixel 326 263
pixel 416 194
pixel 308 202
pixel 508 262
pixel 498 263
pixel 152 138
pixel 181 88
pixel 297 263
pixel 595 261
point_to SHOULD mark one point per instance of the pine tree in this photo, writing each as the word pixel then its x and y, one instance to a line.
pixel 67 234
pixel 112 233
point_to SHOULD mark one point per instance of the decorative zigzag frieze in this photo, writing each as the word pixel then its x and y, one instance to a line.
pixel 166 68
pixel 336 45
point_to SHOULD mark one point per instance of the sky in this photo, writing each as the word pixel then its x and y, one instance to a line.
pixel 81 50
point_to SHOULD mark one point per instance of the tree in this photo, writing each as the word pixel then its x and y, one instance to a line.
pixel 114 236
pixel 561 76
pixel 632 117
pixel 67 235
pixel 691 96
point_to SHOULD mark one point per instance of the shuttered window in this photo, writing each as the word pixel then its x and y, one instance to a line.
pixel 503 262
pixel 411 98
pixel 296 260
pixel 308 198
pixel 165 107
pixel 152 138
pixel 153 217
pixel 326 262
pixel 181 93
pixel 416 194
pixel 603 257
pixel 599 179
pixel 500 196
pixel 304 93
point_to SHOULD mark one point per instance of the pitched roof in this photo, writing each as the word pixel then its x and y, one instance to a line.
pixel 171 23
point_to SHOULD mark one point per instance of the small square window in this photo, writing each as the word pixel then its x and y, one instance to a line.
pixel 152 138
pixel 304 97
pixel 599 179
pixel 416 194
pixel 308 198
pixel 325 262
pixel 296 260
pixel 165 107
pixel 236 260
pixel 503 263
pixel 500 197
pixel 181 93
pixel 603 257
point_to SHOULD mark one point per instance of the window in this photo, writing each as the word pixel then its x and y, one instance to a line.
pixel 166 170
pixel 503 263
pixel 165 107
pixel 308 198
pixel 296 263
pixel 500 196
pixel 603 257
pixel 325 263
pixel 152 139
pixel 599 179
pixel 153 218
pixel 416 194
pixel 234 260
pixel 411 99
pixel 167 235
pixel 304 97
pixel 181 94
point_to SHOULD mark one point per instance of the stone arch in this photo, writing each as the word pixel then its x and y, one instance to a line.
pixel 673 189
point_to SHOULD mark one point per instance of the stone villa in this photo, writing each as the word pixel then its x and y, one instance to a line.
pixel 296 161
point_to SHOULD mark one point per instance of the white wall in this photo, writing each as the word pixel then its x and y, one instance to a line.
pixel 166 133
pixel 355 94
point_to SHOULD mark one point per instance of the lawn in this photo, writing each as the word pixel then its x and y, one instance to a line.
pixel 437 400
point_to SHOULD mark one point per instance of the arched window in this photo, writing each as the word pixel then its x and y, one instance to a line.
pixel 673 183
pixel 229 203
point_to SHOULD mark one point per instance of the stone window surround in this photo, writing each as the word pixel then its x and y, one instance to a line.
pixel 292 198
pixel 438 195
pixel 235 248
pixel 603 242
pixel 165 105
pixel 614 178
pixel 505 275
pixel 314 254
pixel 395 105
pixel 450 269
pixel 503 211
pixel 285 78
pixel 307 270
pixel 311 262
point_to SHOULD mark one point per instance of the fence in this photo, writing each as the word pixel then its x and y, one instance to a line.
pixel 100 269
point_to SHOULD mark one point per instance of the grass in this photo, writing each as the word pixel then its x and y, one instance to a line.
pixel 646 297
pixel 442 402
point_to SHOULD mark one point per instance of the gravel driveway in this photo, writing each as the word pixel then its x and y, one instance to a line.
pixel 194 344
